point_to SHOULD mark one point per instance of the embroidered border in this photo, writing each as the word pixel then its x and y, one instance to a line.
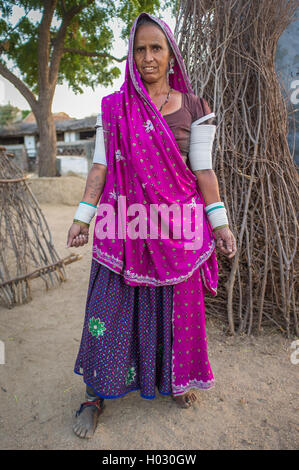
pixel 116 262
pixel 106 257
pixel 181 389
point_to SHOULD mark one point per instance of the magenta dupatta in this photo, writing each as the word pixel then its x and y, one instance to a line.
pixel 144 166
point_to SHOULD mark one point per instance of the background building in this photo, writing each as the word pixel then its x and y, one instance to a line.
pixel 75 142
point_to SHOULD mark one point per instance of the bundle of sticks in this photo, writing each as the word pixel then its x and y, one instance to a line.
pixel 229 51
pixel 26 246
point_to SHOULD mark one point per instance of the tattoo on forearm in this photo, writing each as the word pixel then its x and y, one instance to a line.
pixel 94 187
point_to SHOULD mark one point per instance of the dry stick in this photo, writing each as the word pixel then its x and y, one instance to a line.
pixel 243 38
pixel 287 237
pixel 53 250
pixel 249 240
pixel 231 280
pixel 22 232
pixel 250 285
pixel 36 273
pixel 280 253
pixel 264 281
pixel 40 249
pixel 7 294
pixel 240 299
pixel 295 315
pixel 272 320
pixel 27 210
pixel 15 180
pixel 23 288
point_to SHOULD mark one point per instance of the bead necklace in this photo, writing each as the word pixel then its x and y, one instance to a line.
pixel 166 101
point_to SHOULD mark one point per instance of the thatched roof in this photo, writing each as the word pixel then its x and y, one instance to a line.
pixel 30 128
pixel 61 116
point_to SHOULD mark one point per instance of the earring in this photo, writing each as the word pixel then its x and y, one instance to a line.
pixel 171 64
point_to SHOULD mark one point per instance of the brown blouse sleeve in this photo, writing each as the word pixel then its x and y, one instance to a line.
pixel 200 109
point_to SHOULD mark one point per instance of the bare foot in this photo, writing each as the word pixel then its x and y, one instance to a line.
pixel 186 400
pixel 86 419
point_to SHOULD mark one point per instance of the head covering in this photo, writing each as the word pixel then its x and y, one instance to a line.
pixel 145 167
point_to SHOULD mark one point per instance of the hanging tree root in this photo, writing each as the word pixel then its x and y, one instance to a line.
pixel 229 51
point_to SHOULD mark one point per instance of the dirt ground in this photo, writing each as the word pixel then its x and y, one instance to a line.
pixel 254 404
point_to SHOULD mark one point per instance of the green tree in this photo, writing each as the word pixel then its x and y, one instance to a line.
pixel 8 114
pixel 71 44
pixel 25 113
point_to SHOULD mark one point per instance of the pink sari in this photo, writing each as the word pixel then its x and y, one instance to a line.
pixel 145 167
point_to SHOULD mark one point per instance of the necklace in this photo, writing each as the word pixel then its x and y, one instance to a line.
pixel 166 99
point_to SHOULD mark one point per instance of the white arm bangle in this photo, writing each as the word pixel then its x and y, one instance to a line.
pixel 99 151
pixel 202 119
pixel 216 213
pixel 85 212
pixel 201 144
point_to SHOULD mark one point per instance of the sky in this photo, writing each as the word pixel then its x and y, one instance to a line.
pixel 65 100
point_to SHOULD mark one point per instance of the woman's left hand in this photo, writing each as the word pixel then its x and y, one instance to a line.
pixel 226 241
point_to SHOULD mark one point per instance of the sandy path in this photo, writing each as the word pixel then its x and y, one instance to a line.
pixel 254 404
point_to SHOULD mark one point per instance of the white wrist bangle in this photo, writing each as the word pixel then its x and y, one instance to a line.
pixel 85 212
pixel 216 214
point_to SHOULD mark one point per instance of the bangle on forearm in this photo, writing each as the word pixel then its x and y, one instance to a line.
pixel 79 222
pixel 221 226
pixel 201 144
pixel 85 212
pixel 216 214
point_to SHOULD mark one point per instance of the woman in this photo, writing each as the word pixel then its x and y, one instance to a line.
pixel 144 323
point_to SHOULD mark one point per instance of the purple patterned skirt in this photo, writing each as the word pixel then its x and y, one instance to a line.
pixel 126 341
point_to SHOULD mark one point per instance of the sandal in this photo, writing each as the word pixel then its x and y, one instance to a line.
pixel 87 418
pixel 186 400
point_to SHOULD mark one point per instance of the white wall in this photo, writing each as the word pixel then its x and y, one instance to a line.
pixel 71 136
pixel 29 142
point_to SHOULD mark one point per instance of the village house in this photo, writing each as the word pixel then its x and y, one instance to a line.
pixel 75 142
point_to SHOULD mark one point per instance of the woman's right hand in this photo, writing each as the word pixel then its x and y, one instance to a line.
pixel 77 235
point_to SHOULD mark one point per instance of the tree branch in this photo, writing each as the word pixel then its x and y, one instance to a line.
pixel 23 89
pixel 93 54
pixel 59 40
pixel 63 7
pixel 13 28
pixel 44 44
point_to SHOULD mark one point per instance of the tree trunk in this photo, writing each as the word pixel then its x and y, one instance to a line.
pixel 47 143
